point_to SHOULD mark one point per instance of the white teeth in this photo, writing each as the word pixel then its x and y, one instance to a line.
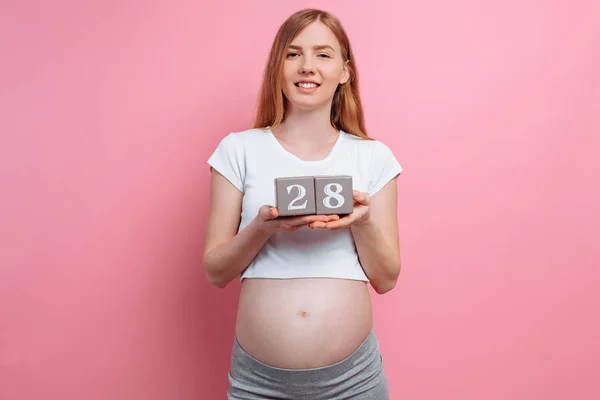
pixel 307 85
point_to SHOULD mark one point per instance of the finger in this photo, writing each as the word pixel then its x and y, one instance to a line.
pixel 334 223
pixel 342 223
pixel 306 220
pixel 318 217
pixel 361 198
pixel 272 213
pixel 268 212
pixel 356 193
pixel 318 225
pixel 323 223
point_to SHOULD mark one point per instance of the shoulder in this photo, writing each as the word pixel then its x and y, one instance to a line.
pixel 380 163
pixel 368 147
pixel 247 136
pixel 239 142
pixel 230 158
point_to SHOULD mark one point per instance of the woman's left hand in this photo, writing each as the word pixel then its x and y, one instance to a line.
pixel 358 215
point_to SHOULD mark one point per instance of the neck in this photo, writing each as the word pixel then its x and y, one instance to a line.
pixel 307 124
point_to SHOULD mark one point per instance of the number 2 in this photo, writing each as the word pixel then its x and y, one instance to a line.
pixel 301 194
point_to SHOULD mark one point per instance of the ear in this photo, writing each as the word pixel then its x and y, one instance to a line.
pixel 345 74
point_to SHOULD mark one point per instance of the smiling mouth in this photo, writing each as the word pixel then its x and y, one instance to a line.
pixel 306 85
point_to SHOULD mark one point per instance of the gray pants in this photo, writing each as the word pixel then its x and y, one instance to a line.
pixel 358 377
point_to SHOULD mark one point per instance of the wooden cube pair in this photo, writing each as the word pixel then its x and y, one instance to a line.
pixel 309 195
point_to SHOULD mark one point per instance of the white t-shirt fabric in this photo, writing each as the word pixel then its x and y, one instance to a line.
pixel 252 159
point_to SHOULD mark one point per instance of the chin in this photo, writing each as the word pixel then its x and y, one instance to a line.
pixel 308 103
pixel 304 105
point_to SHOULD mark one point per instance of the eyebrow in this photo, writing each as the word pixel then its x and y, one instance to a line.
pixel 317 47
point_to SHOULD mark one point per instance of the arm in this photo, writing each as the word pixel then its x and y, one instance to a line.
pixel 227 253
pixel 377 240
pixel 374 227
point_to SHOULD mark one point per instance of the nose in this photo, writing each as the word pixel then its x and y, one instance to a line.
pixel 307 66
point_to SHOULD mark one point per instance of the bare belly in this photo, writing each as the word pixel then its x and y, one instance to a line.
pixel 303 323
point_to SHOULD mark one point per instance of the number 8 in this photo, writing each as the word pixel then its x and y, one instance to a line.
pixel 333 195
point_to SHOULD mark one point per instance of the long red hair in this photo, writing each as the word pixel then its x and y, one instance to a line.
pixel 346 108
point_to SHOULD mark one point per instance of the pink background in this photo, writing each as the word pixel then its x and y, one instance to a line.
pixel 109 110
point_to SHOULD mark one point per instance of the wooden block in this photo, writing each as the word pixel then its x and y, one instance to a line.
pixel 333 194
pixel 295 196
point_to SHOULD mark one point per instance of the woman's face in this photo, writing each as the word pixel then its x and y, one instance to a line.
pixel 313 67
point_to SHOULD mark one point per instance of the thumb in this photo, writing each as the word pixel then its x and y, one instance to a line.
pixel 267 212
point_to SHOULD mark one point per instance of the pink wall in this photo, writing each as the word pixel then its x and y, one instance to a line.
pixel 109 111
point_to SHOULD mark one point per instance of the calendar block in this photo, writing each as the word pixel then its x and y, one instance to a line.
pixel 333 194
pixel 309 195
pixel 295 196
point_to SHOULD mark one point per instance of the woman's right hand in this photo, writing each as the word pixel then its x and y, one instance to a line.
pixel 269 223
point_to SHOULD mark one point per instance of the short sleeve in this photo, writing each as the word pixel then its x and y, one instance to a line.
pixel 384 167
pixel 228 159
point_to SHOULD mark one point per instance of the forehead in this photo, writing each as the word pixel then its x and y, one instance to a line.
pixel 316 34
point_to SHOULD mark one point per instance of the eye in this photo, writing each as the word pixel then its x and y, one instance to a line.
pixel 292 54
pixel 325 55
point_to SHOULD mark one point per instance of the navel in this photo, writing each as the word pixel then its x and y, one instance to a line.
pixel 302 313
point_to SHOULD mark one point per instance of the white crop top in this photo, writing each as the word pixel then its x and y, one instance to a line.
pixel 252 159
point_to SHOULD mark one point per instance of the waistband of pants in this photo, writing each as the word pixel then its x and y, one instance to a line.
pixel 365 354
